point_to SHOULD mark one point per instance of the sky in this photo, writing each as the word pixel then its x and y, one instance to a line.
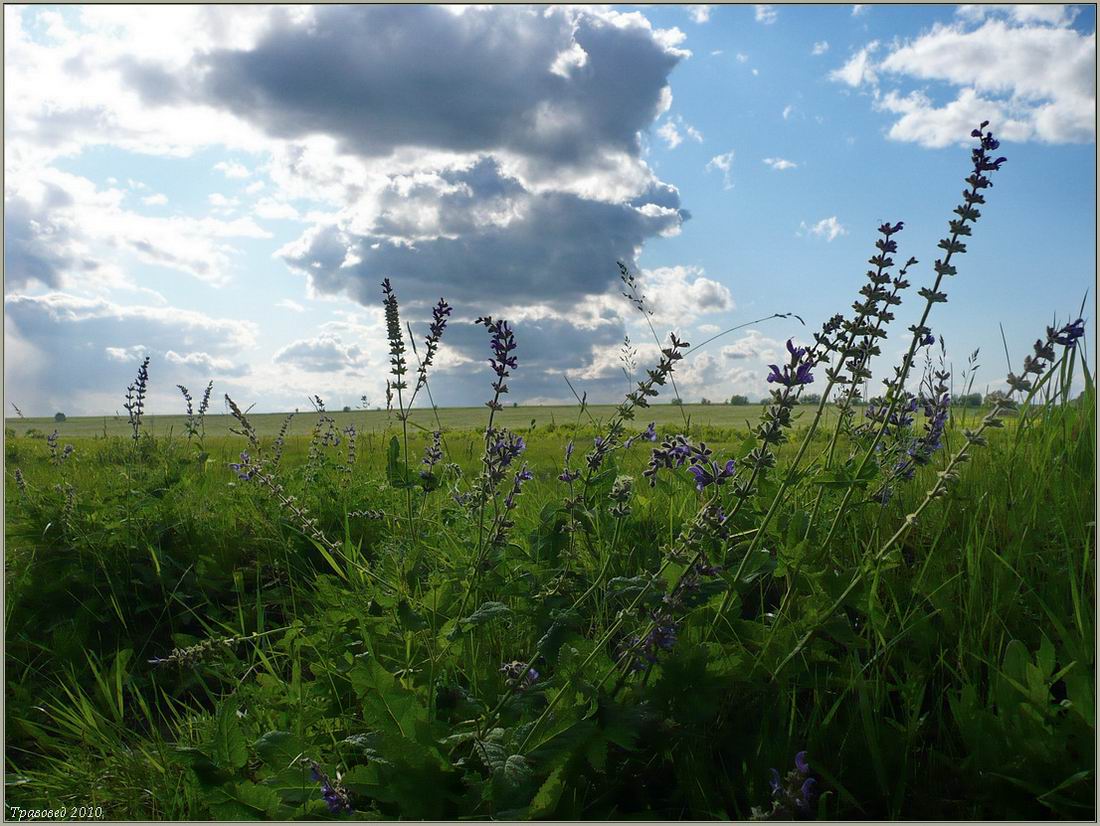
pixel 223 188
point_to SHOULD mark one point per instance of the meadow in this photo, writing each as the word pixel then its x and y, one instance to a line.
pixel 790 611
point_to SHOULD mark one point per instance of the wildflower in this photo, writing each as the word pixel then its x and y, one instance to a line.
pixel 135 398
pixel 502 342
pixel 393 334
pixel 620 493
pixel 431 344
pixel 712 474
pixel 245 470
pixel 792 796
pixel 519 675
pixel 433 454
pixel 797 372
pixel 334 795
pixel 1068 335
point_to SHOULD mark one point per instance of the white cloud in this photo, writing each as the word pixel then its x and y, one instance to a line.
pixel 859 69
pixel 725 164
pixel 288 304
pixel 766 14
pixel 678 295
pixel 158 199
pixel 1023 69
pixel 780 164
pixel 670 134
pixel 1036 75
pixel 787 111
pixel 323 353
pixel 61 230
pixel 828 228
pixel 270 209
pixel 232 169
pixel 669 131
pixel 820 47
pixel 859 9
pixel 698 13
pixel 1053 14
pixel 742 57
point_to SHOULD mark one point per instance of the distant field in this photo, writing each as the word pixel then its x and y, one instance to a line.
pixel 453 418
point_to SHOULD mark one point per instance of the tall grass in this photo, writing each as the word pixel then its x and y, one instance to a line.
pixel 882 613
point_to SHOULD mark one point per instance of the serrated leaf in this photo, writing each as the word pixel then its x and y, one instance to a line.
pixel 244 801
pixel 488 611
pixel 230 751
pixel 278 749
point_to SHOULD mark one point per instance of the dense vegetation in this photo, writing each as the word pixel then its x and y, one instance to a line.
pixel 886 611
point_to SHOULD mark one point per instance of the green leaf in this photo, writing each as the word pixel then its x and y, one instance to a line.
pixel 546 798
pixel 395 471
pixel 278 749
pixel 244 801
pixel 229 749
pixel 488 611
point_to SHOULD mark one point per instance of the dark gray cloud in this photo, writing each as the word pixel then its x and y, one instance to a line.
pixel 37 248
pixel 381 77
pixel 552 247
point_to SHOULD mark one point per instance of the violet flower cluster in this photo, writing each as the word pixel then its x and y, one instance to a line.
pixel 797 371
pixel 336 797
pixel 793 796
pixel 433 455
pixel 393 334
pixel 502 342
pixel 440 312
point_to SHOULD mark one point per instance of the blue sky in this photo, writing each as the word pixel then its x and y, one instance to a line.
pixel 222 188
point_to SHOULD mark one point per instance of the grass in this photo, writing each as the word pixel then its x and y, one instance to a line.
pixel 957 682
pixel 836 611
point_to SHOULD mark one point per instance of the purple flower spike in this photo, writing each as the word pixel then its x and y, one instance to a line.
pixel 774 782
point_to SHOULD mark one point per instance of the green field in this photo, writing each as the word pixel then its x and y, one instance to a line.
pixel 450 418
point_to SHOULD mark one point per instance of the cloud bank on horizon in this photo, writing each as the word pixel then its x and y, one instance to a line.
pixel 224 187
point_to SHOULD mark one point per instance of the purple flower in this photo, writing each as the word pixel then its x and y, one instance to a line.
pixel 1069 334
pixel 244 470
pixel 650 433
pixel 795 373
pixel 515 673
pixel 335 796
pixel 712 474
pixel 801 763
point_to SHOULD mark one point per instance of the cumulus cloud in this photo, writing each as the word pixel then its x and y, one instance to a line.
pixel 1023 68
pixel 859 9
pixel 828 228
pixel 502 167
pixel 480 237
pixel 679 295
pixel 820 47
pixel 325 353
pixel 485 93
